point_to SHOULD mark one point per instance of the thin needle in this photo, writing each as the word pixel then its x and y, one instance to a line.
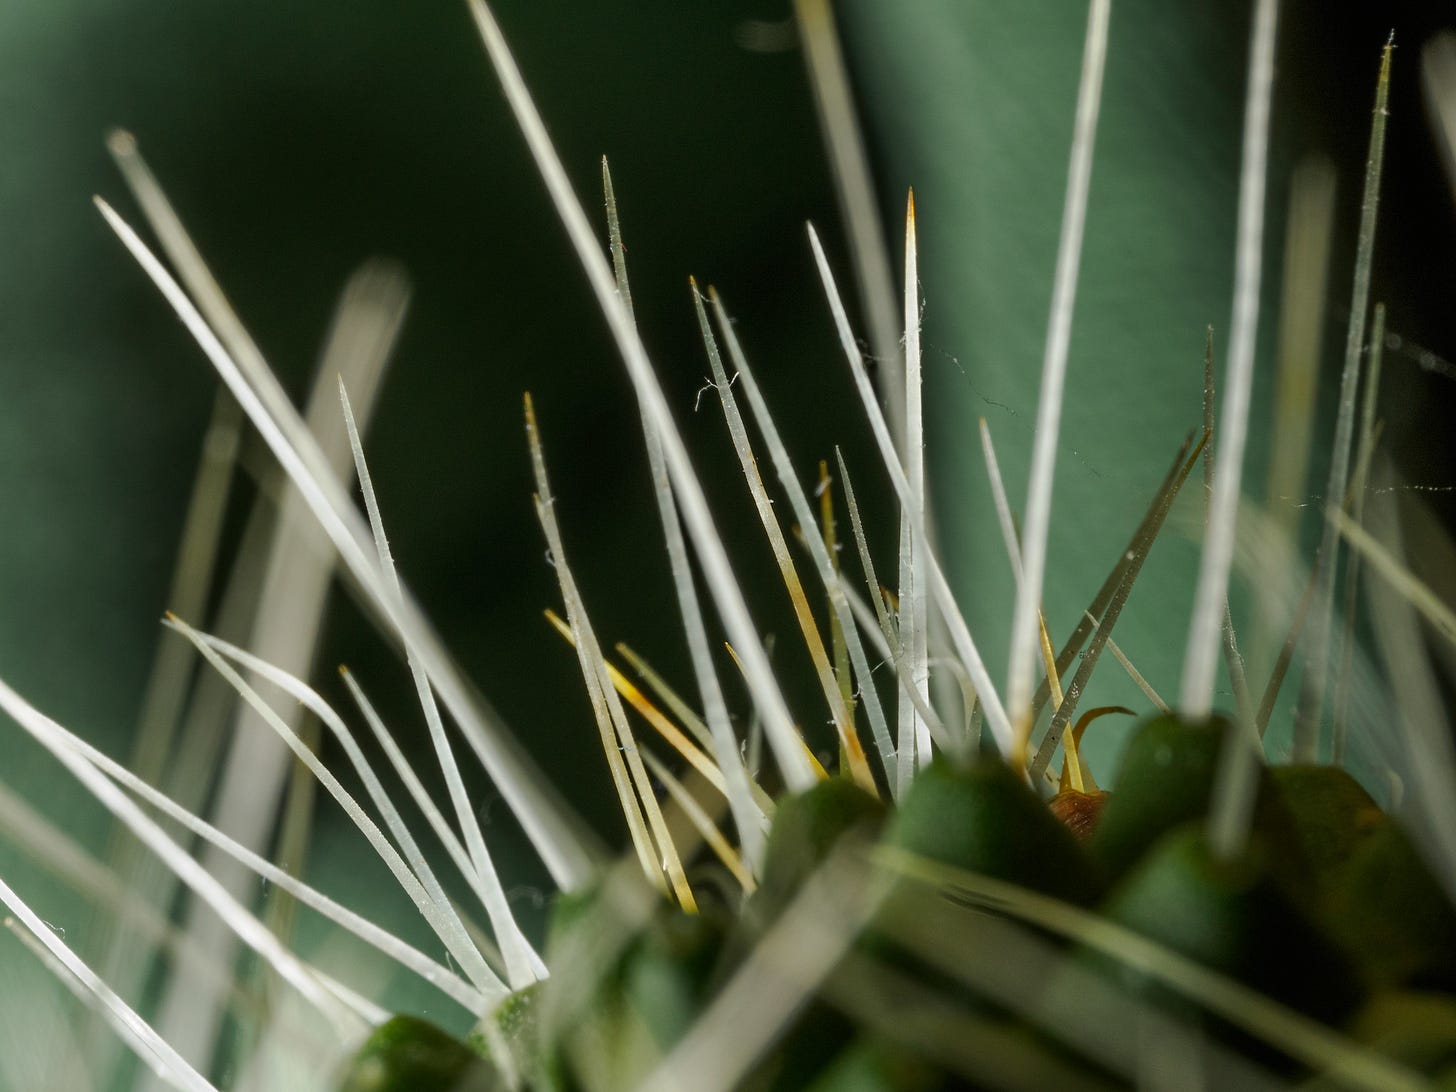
pixel 1054 370
pixel 1205 628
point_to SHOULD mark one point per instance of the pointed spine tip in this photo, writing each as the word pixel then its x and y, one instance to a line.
pixel 121 143
pixel 910 207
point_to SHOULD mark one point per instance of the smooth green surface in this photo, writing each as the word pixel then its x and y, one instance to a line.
pixel 617 1002
pixel 1236 917
pixel 806 827
pixel 409 1055
pixel 1332 814
pixel 1418 1029
pixel 869 1065
pixel 984 818
pixel 1387 908
pixel 1166 778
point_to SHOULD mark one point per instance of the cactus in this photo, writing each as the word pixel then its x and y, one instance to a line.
pixel 894 902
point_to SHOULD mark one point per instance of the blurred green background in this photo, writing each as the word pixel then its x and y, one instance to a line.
pixel 296 144
pixel 297 140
